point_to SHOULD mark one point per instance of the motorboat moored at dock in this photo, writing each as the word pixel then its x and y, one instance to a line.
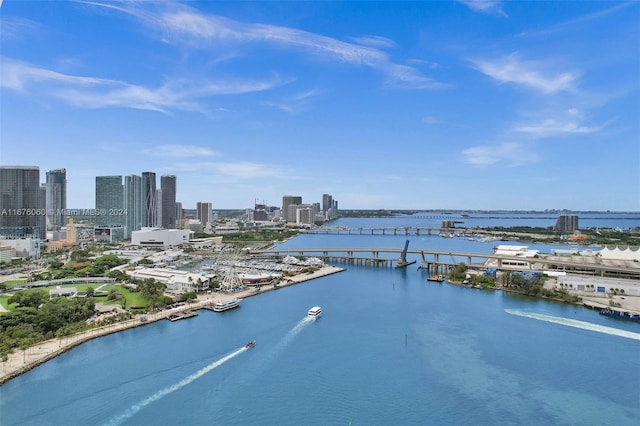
pixel 226 305
pixel 436 278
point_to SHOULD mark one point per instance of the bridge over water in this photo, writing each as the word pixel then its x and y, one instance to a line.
pixel 386 230
pixel 439 260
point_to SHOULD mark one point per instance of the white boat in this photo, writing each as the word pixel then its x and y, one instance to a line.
pixel 315 312
pixel 226 305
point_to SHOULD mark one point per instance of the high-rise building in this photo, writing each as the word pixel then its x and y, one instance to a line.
pixel 204 213
pixel 179 213
pixel 149 198
pixel 56 181
pixel 135 209
pixel 327 203
pixel 20 194
pixel 109 201
pixel 303 214
pixel 290 200
pixel 567 223
pixel 168 187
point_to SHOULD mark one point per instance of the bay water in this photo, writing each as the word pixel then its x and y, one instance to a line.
pixel 390 349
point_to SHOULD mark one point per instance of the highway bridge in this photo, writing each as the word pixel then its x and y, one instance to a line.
pixel 439 260
pixel 385 230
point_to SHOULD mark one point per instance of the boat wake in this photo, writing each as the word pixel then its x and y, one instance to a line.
pixel 296 329
pixel 166 391
pixel 577 324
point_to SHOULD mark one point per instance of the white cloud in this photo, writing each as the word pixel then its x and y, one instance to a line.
pixel 485 6
pixel 510 69
pixel 91 92
pixel 202 30
pixel 170 150
pixel 552 126
pixel 508 154
pixel 569 122
pixel 375 41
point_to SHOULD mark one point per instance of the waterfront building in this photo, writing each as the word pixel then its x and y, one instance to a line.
pixel 56 187
pixel 168 203
pixel 109 201
pixel 304 214
pixel 149 199
pixel 133 204
pixel 176 281
pixel 204 213
pixel 20 193
pixel 160 237
pixel 567 223
pixel 289 215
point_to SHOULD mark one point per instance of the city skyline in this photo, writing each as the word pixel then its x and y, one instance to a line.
pixel 422 105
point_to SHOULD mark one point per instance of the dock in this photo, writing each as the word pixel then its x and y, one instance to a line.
pixel 182 315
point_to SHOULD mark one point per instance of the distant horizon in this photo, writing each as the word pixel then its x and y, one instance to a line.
pixel 436 103
pixel 431 210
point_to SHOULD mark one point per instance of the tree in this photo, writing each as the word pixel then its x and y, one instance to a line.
pixel 29 298
pixel 151 290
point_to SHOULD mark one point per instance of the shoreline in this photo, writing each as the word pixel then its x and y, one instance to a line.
pixel 22 361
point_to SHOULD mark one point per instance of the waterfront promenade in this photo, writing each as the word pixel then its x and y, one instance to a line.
pixel 21 361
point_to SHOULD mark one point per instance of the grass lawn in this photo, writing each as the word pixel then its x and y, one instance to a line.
pixel 133 300
pixel 4 301
pixel 14 282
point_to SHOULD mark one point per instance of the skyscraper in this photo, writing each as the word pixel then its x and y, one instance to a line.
pixel 109 201
pixel 56 197
pixel 149 198
pixel 567 223
pixel 168 187
pixel 20 193
pixel 327 203
pixel 204 213
pixel 134 207
pixel 290 200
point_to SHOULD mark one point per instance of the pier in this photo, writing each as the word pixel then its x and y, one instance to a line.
pixel 181 315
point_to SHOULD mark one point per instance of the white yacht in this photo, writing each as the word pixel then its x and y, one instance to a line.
pixel 226 305
pixel 315 312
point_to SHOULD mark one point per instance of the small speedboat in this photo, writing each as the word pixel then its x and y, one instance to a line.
pixel 250 344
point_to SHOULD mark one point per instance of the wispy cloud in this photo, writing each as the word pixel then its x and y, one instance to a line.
pixel 432 120
pixel 232 170
pixel 92 92
pixel 374 41
pixel 508 154
pixel 485 6
pixel 532 74
pixel 569 122
pixel 13 28
pixel 580 20
pixel 178 151
pixel 182 24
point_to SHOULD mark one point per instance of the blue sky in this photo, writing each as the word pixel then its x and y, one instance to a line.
pixel 397 105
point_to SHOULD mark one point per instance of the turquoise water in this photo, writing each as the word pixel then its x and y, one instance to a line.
pixel 390 349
